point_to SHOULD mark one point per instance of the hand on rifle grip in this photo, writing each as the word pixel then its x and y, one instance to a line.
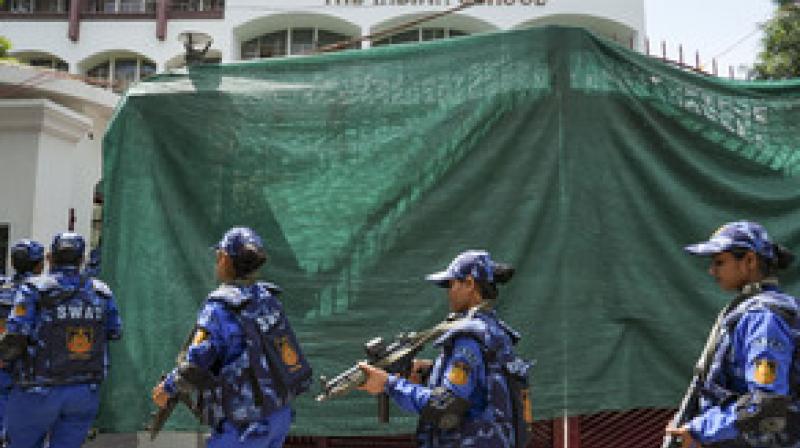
pixel 160 395
pixel 687 441
pixel 376 378
pixel 420 370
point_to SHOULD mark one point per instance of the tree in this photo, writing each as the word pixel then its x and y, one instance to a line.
pixel 5 47
pixel 780 56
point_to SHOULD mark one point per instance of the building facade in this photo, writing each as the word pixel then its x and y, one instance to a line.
pixel 51 129
pixel 116 42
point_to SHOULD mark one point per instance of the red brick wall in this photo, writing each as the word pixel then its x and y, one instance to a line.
pixel 638 428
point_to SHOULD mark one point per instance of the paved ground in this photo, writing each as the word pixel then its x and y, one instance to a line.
pixel 167 439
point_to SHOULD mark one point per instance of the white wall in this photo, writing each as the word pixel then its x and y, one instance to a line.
pixel 43 147
pixel 139 36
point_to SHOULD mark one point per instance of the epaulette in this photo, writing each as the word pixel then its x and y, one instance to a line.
pixel 776 302
pixel 44 282
pixel 474 328
pixel 229 295
pixel 101 288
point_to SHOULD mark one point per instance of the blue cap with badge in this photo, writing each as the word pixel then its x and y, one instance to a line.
pixel 746 235
pixel 68 241
pixel 475 263
pixel 28 249
pixel 238 239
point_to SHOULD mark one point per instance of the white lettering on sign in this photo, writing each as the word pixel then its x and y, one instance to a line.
pixel 433 2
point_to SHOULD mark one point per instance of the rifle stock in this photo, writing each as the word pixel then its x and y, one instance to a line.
pixel 687 410
pixel 161 415
pixel 690 404
pixel 395 357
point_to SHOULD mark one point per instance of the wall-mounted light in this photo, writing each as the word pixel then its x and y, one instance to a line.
pixel 196 45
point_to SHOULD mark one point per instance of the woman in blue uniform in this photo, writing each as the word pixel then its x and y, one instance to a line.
pixel 749 394
pixel 244 357
pixel 473 393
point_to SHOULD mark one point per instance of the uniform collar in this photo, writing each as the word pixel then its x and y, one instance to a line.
pixel 767 284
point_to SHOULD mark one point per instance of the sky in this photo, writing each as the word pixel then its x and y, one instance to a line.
pixel 725 29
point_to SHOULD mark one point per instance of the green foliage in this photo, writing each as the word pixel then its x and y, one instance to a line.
pixel 5 47
pixel 780 56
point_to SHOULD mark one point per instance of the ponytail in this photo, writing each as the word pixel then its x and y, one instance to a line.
pixel 783 258
pixel 502 274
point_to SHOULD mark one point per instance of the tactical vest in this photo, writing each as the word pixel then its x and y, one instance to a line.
pixel 271 370
pixel 719 390
pixel 70 335
pixel 502 424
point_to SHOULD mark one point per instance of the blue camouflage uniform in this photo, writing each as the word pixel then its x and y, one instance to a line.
pixel 468 400
pixel 750 390
pixel 29 252
pixel 67 320
pixel 244 359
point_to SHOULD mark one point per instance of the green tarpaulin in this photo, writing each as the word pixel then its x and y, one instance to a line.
pixel 586 165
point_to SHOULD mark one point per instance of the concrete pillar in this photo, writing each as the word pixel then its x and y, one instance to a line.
pixel 41 157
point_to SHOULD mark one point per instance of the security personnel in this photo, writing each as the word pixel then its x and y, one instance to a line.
pixel 474 392
pixel 750 389
pixel 244 357
pixel 27 259
pixel 58 331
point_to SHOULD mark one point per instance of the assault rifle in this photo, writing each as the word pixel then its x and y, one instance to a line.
pixel 395 357
pixel 690 404
pixel 161 415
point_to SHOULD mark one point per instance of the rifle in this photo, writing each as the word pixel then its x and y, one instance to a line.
pixel 396 357
pixel 690 404
pixel 161 415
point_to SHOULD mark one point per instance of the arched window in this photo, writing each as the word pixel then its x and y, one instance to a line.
pixel 34 6
pixel 420 35
pixel 291 42
pixel 120 6
pixel 42 60
pixel 119 72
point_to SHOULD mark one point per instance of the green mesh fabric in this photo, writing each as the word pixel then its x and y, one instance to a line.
pixel 586 165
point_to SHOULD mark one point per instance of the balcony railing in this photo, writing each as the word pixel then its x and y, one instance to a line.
pixel 199 9
pixel 110 9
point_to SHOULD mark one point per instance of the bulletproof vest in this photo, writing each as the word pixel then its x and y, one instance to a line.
pixel 720 389
pixel 502 424
pixel 271 370
pixel 70 336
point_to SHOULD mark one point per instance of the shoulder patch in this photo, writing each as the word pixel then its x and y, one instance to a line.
pixel 766 371
pixel 200 336
pixel 459 373
pixel 20 310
